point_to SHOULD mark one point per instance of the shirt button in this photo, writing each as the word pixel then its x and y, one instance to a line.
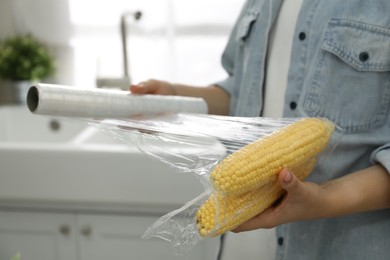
pixel 302 36
pixel 363 56
pixel 280 241
pixel 293 105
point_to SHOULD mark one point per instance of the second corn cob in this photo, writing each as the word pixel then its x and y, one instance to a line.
pixel 255 164
pixel 221 213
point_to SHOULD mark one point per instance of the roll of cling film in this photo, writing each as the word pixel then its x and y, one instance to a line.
pixel 67 101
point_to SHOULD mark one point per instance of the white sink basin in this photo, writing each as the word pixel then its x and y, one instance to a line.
pixel 62 163
pixel 17 125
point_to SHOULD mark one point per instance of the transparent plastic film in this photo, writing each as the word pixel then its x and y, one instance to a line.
pixel 191 142
pixel 237 160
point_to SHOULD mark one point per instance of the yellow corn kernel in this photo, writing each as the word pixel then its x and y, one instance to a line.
pixel 230 211
pixel 221 213
pixel 253 165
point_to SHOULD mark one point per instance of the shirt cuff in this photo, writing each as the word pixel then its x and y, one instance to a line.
pixel 382 156
pixel 226 84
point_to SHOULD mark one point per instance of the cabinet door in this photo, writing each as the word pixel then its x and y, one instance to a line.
pixel 119 237
pixel 37 236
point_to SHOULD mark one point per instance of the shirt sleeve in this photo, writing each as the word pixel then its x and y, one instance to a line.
pixel 227 61
pixel 229 56
pixel 382 155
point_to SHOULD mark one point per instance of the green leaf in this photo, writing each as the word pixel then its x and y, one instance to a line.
pixel 24 58
pixel 16 257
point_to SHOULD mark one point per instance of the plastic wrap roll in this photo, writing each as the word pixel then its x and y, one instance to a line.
pixel 58 100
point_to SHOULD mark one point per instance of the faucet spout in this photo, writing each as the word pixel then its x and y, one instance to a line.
pixel 124 81
pixel 123 26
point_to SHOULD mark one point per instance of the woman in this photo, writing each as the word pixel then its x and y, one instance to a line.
pixel 339 69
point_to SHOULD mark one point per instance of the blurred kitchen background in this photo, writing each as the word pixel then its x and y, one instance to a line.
pixel 53 205
pixel 175 40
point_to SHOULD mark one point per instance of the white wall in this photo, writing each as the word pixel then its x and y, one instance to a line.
pixel 6 19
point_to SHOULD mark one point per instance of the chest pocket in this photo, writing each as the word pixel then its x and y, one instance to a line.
pixel 245 25
pixel 351 79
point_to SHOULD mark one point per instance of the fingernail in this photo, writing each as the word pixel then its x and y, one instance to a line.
pixel 288 177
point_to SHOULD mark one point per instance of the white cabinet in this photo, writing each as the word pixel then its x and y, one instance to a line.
pixel 67 236
pixel 37 236
pixel 107 236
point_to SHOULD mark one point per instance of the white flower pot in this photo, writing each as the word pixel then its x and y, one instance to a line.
pixel 14 92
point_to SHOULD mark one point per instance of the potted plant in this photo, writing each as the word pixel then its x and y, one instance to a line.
pixel 23 61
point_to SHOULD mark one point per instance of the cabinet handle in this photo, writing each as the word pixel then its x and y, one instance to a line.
pixel 86 231
pixel 65 230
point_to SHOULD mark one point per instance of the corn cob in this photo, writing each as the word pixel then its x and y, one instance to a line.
pixel 255 164
pixel 220 213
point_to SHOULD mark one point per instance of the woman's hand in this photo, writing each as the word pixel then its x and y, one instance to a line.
pixel 153 86
pixel 365 190
pixel 302 201
pixel 217 99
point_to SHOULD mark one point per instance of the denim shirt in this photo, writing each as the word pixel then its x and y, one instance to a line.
pixel 340 69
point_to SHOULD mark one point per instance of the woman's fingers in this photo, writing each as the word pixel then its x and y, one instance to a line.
pixel 301 202
pixel 152 86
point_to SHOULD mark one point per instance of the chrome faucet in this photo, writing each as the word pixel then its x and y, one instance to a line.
pixel 123 82
pixel 137 16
